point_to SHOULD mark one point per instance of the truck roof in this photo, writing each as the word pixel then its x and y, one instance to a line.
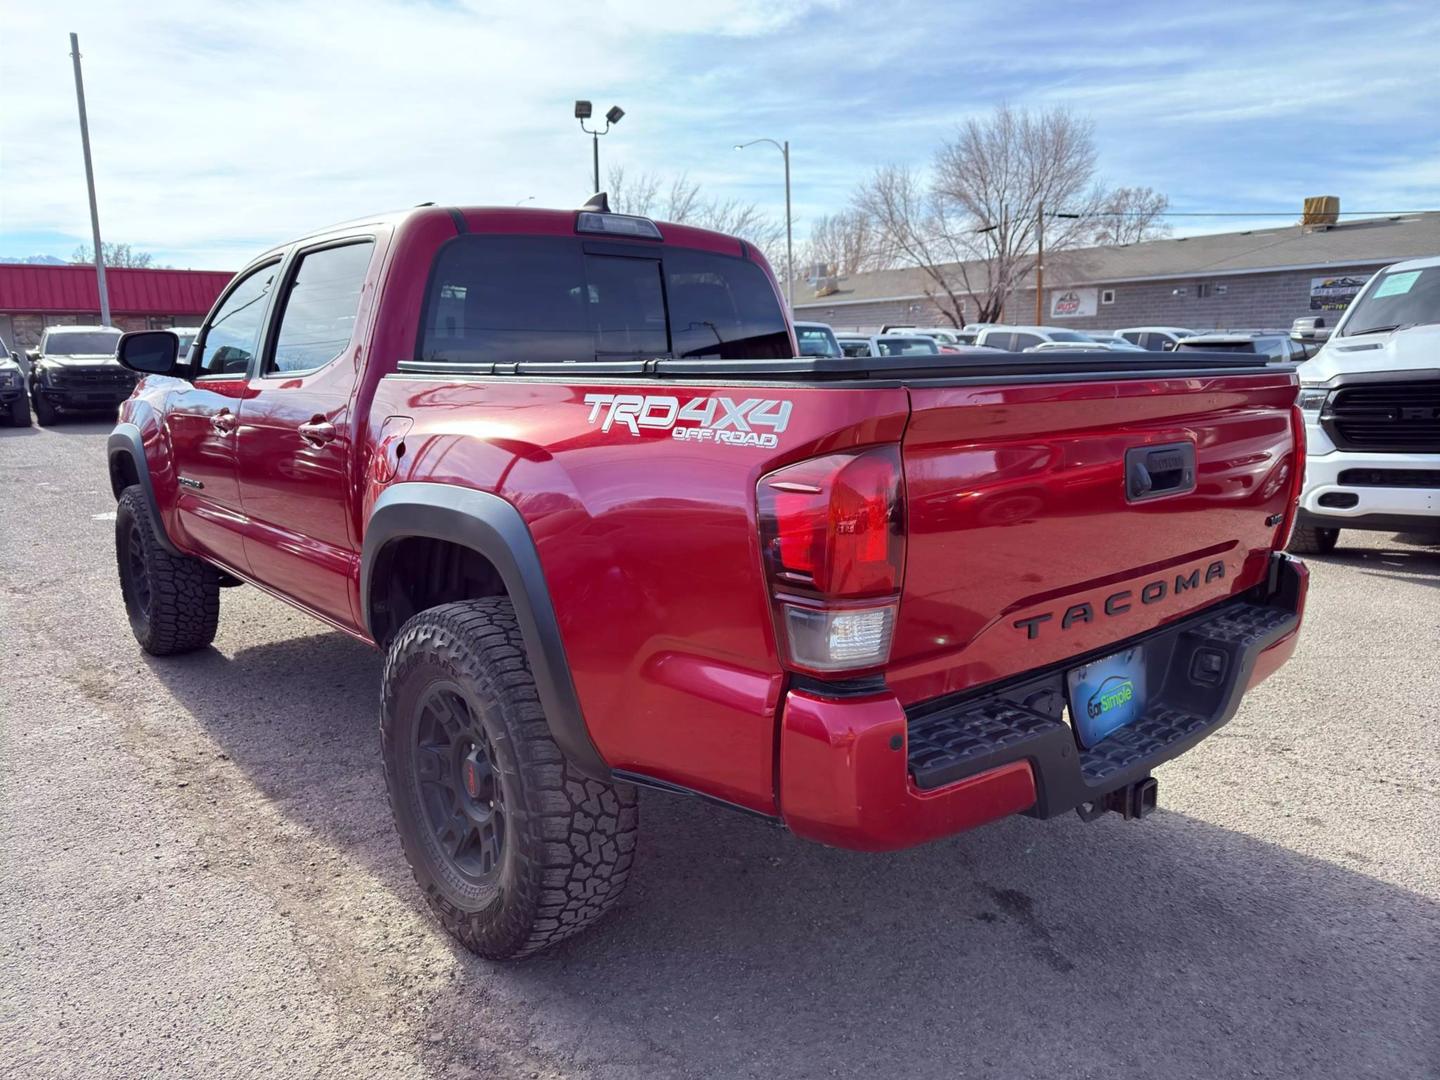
pixel 530 220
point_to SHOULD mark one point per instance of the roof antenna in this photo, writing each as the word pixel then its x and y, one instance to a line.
pixel 599 203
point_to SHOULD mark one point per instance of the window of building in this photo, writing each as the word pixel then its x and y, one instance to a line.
pixel 1107 296
pixel 1203 290
pixel 320 308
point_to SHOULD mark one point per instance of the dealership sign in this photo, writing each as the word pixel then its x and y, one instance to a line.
pixel 1335 293
pixel 1073 303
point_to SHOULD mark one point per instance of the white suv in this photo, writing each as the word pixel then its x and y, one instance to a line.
pixel 1371 399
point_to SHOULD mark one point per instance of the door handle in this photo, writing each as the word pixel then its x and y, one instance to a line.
pixel 317 432
pixel 223 421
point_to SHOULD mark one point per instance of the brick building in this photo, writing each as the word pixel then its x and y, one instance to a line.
pixel 34 297
pixel 1263 277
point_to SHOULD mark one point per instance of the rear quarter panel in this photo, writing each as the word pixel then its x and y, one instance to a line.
pixel 650 549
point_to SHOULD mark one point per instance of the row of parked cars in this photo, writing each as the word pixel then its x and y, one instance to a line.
pixel 73 370
pixel 818 339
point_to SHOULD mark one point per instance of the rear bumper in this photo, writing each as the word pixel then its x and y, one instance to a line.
pixel 868 774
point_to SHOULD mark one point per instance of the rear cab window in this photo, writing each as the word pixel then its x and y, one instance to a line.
pixel 495 299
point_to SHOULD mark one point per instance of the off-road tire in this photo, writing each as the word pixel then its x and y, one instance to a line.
pixel 1313 540
pixel 20 411
pixel 45 413
pixel 173 601
pixel 567 841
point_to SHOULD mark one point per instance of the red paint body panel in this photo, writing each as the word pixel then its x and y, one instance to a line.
pixel 844 780
pixel 1013 504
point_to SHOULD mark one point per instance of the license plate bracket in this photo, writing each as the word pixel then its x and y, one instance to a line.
pixel 1106 694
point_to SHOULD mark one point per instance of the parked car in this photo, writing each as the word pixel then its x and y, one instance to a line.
pixel 854 344
pixel 1020 338
pixel 14 404
pixel 1155 338
pixel 887 345
pixel 532 456
pixel 1371 401
pixel 186 334
pixel 816 339
pixel 1114 341
pixel 1277 345
pixel 945 337
pixel 1312 328
pixel 74 370
pixel 1082 346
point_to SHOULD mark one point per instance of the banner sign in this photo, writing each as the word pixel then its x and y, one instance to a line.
pixel 1074 303
pixel 1335 293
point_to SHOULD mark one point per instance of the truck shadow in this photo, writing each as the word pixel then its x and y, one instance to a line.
pixel 1410 557
pixel 1170 948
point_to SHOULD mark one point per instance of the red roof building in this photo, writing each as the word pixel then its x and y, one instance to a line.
pixel 33 297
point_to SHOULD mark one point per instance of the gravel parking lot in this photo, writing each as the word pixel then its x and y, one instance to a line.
pixel 200 876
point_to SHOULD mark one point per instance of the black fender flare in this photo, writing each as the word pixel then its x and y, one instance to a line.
pixel 492 527
pixel 127 441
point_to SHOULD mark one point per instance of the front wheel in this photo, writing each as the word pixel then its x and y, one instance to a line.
pixel 173 601
pixel 20 411
pixel 513 848
pixel 1313 540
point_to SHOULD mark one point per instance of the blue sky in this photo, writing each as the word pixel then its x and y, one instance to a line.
pixel 222 128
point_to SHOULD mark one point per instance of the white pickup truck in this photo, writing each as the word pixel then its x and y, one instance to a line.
pixel 1371 399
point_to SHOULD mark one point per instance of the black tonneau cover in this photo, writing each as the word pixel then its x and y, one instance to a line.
pixel 1006 365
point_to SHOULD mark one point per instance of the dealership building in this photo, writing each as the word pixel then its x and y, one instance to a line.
pixel 1251 279
pixel 33 297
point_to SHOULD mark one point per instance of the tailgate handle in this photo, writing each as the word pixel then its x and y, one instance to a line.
pixel 1153 471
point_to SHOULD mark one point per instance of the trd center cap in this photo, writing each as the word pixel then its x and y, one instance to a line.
pixel 470 770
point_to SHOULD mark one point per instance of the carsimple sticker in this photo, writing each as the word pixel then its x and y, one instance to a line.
pixel 1396 284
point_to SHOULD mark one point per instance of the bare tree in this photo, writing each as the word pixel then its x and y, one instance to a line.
pixel 118 255
pixel 847 243
pixel 973 225
pixel 681 200
pixel 1130 215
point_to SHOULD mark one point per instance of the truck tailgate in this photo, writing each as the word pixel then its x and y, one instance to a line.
pixel 1043 524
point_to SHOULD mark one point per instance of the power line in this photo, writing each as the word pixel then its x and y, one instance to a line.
pixel 1241 213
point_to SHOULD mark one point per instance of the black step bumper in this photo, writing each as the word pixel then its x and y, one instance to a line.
pixel 1200 666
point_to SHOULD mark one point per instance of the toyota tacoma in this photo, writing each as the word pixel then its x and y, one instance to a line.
pixel 566 470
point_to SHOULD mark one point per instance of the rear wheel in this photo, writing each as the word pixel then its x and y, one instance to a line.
pixel 45 413
pixel 1313 540
pixel 173 601
pixel 513 848
pixel 20 412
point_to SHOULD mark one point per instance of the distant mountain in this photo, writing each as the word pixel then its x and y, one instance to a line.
pixel 35 260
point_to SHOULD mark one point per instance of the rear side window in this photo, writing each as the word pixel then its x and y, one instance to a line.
pixel 320 309
pixel 998 340
pixel 1021 342
pixel 507 299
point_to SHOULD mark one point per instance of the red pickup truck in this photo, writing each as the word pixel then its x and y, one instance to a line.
pixel 565 469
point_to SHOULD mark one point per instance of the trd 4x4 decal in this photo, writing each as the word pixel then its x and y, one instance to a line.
pixel 720 420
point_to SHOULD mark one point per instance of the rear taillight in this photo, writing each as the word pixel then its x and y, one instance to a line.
pixel 1297 477
pixel 833 534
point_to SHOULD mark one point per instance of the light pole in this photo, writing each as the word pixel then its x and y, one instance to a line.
pixel 582 113
pixel 784 149
pixel 90 184
pixel 1040 259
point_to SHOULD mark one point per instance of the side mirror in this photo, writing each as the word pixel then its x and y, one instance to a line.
pixel 31 354
pixel 14 356
pixel 150 352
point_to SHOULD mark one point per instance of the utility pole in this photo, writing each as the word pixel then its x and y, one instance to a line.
pixel 1040 264
pixel 90 184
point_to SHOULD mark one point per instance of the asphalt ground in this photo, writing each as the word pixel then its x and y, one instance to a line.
pixel 199 876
